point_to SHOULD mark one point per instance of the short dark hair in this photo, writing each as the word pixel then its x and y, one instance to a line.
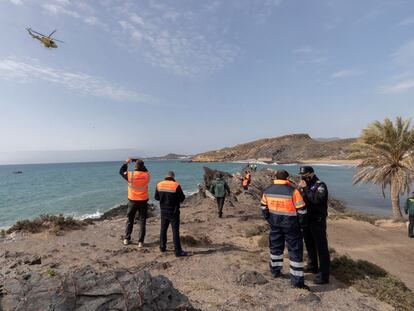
pixel 282 174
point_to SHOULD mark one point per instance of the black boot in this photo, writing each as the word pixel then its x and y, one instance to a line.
pixel 319 279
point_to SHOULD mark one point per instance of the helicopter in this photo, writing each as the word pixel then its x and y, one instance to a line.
pixel 47 41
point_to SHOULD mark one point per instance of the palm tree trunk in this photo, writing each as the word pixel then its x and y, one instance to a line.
pixel 395 200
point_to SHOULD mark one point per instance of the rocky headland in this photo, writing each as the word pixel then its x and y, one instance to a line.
pixel 86 267
pixel 293 148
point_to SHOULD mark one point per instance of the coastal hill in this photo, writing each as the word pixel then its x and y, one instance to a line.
pixel 283 149
pixel 170 156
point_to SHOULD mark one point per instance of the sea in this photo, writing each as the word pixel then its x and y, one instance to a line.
pixel 85 190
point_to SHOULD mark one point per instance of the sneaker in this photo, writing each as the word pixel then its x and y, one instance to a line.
pixel 126 242
pixel 220 215
pixel 183 254
pixel 140 245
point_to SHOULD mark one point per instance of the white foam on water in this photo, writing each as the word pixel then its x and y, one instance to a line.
pixel 95 215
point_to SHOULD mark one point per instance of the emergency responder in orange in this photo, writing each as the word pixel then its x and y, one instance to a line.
pixel 283 207
pixel 170 195
pixel 138 181
pixel 246 181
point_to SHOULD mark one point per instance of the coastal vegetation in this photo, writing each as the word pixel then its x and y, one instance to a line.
pixel 54 223
pixel 373 280
pixel 386 151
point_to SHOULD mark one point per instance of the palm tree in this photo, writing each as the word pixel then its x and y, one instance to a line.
pixel 386 151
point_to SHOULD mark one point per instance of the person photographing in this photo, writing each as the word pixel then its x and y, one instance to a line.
pixel 138 180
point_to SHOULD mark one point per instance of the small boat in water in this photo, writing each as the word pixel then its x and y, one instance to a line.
pixel 17 172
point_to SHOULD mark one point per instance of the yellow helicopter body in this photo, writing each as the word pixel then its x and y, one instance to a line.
pixel 47 41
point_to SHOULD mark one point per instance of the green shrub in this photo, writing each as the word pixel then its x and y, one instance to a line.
pixel 371 279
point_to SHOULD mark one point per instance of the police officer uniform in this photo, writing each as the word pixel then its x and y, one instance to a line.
pixel 315 194
pixel 283 207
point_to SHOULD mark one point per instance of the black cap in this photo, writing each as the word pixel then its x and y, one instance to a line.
pixel 306 170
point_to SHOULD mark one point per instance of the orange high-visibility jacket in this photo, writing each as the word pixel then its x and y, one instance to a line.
pixel 138 185
pixel 283 199
pixel 246 180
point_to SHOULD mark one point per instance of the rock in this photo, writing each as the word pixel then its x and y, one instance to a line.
pixel 84 244
pixel 251 278
pixel 87 289
pixel 32 260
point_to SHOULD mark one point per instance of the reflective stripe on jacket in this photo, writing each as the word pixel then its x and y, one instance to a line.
pixel 138 185
pixel 283 199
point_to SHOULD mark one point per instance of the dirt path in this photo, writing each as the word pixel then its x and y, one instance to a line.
pixel 386 245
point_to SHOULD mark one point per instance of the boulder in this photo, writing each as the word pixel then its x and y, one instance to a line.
pixel 251 278
pixel 87 289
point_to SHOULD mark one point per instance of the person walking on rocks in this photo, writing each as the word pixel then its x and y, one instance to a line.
pixel 219 188
pixel 315 194
pixel 409 209
pixel 138 181
pixel 170 195
pixel 283 207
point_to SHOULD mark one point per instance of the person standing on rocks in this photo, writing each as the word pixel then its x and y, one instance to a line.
pixel 246 181
pixel 315 194
pixel 409 209
pixel 283 207
pixel 170 195
pixel 138 181
pixel 219 188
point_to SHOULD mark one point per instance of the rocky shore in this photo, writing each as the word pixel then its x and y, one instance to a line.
pixel 88 268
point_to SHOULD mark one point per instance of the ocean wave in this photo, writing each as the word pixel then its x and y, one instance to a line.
pixel 190 192
pixel 95 215
pixel 251 162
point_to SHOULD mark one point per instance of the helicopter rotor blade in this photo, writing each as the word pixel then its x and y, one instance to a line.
pixel 52 33
pixel 38 33
pixel 58 40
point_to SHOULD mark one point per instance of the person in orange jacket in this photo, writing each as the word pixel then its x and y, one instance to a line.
pixel 246 181
pixel 284 208
pixel 138 196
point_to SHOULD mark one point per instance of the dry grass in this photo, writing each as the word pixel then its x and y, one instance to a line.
pixel 189 240
pixel 55 224
pixel 371 279
pixel 263 241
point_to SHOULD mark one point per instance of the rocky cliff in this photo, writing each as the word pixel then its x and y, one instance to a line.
pixel 283 149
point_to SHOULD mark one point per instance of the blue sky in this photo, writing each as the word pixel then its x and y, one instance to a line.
pixel 189 76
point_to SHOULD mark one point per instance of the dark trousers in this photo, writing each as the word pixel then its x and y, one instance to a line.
pixel 174 220
pixel 133 207
pixel 220 204
pixel 294 239
pixel 411 226
pixel 317 246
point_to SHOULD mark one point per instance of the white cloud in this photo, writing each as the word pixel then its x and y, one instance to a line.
pixel 347 73
pixel 55 9
pixel 25 71
pixel 17 2
pixel 399 87
pixel 404 55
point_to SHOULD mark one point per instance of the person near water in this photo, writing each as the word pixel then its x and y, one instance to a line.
pixel 315 194
pixel 283 207
pixel 409 210
pixel 138 181
pixel 219 188
pixel 170 195
pixel 246 180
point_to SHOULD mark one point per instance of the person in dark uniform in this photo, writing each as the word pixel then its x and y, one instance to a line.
pixel 409 210
pixel 315 194
pixel 283 207
pixel 170 195
pixel 219 188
